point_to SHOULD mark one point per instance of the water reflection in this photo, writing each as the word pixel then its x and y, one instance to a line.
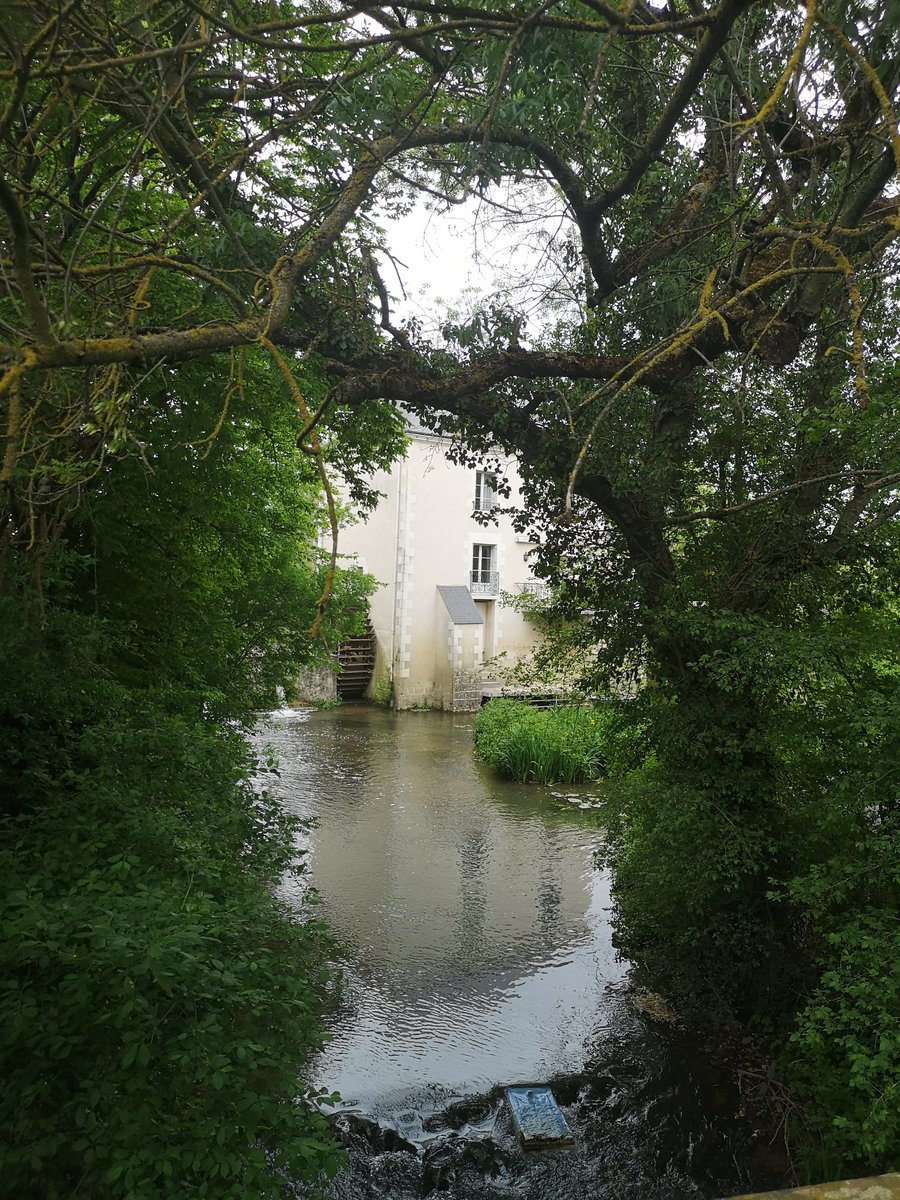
pixel 469 910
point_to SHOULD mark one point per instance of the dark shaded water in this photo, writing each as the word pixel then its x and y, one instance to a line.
pixel 478 954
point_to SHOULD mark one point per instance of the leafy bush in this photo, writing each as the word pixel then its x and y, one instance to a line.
pixel 842 766
pixel 691 886
pixel 843 1059
pixel 555 745
pixel 156 1000
pixel 756 871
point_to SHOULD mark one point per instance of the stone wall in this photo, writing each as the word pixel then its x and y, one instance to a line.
pixel 878 1187
pixel 466 691
pixel 316 687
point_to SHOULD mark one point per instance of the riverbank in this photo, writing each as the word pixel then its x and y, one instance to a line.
pixel 653 1117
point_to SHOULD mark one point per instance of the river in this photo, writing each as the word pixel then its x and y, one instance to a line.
pixel 475 941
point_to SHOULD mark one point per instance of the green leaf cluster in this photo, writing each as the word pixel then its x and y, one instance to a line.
pixel 157 1000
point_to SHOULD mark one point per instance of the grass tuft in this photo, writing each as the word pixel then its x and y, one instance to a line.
pixel 558 745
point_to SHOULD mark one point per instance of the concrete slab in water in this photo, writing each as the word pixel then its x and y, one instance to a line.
pixel 537 1119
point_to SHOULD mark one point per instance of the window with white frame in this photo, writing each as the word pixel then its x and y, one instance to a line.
pixel 485 491
pixel 483 563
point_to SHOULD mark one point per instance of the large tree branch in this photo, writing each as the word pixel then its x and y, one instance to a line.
pixel 21 257
pixel 715 36
pixel 849 521
pixel 679 228
pixel 725 512
pixel 408 383
pixel 713 332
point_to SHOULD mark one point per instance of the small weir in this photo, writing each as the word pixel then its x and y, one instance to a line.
pixel 478 956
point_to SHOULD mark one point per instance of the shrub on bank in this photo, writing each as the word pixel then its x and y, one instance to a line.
pixel 157 1000
pixel 557 745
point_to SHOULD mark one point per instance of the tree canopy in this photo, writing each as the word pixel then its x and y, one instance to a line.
pixel 189 181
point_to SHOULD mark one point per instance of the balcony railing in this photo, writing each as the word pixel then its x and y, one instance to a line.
pixel 484 583
pixel 537 588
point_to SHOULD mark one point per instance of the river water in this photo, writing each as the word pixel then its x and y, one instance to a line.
pixel 475 942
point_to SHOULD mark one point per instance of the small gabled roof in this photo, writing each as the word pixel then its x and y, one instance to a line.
pixel 460 605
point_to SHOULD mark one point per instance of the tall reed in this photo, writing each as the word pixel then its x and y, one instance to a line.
pixel 557 745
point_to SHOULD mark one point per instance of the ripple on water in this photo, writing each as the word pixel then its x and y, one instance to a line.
pixel 478 953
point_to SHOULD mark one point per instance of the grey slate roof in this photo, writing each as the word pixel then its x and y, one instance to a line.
pixel 460 605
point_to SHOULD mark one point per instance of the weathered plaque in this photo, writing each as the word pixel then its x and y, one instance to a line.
pixel 538 1122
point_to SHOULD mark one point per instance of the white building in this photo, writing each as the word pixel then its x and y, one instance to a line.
pixel 438 615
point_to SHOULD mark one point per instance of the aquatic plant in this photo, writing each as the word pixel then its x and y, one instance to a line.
pixel 559 745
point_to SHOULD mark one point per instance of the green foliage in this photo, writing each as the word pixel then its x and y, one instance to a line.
pixel 691 887
pixel 209 544
pixel 554 745
pixel 755 861
pixel 158 1002
pixel 843 1059
pixel 383 692
pixel 843 1055
pixel 709 437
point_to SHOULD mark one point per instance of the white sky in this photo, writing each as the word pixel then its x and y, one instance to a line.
pixel 453 256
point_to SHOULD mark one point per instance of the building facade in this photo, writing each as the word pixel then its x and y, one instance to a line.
pixel 438 615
